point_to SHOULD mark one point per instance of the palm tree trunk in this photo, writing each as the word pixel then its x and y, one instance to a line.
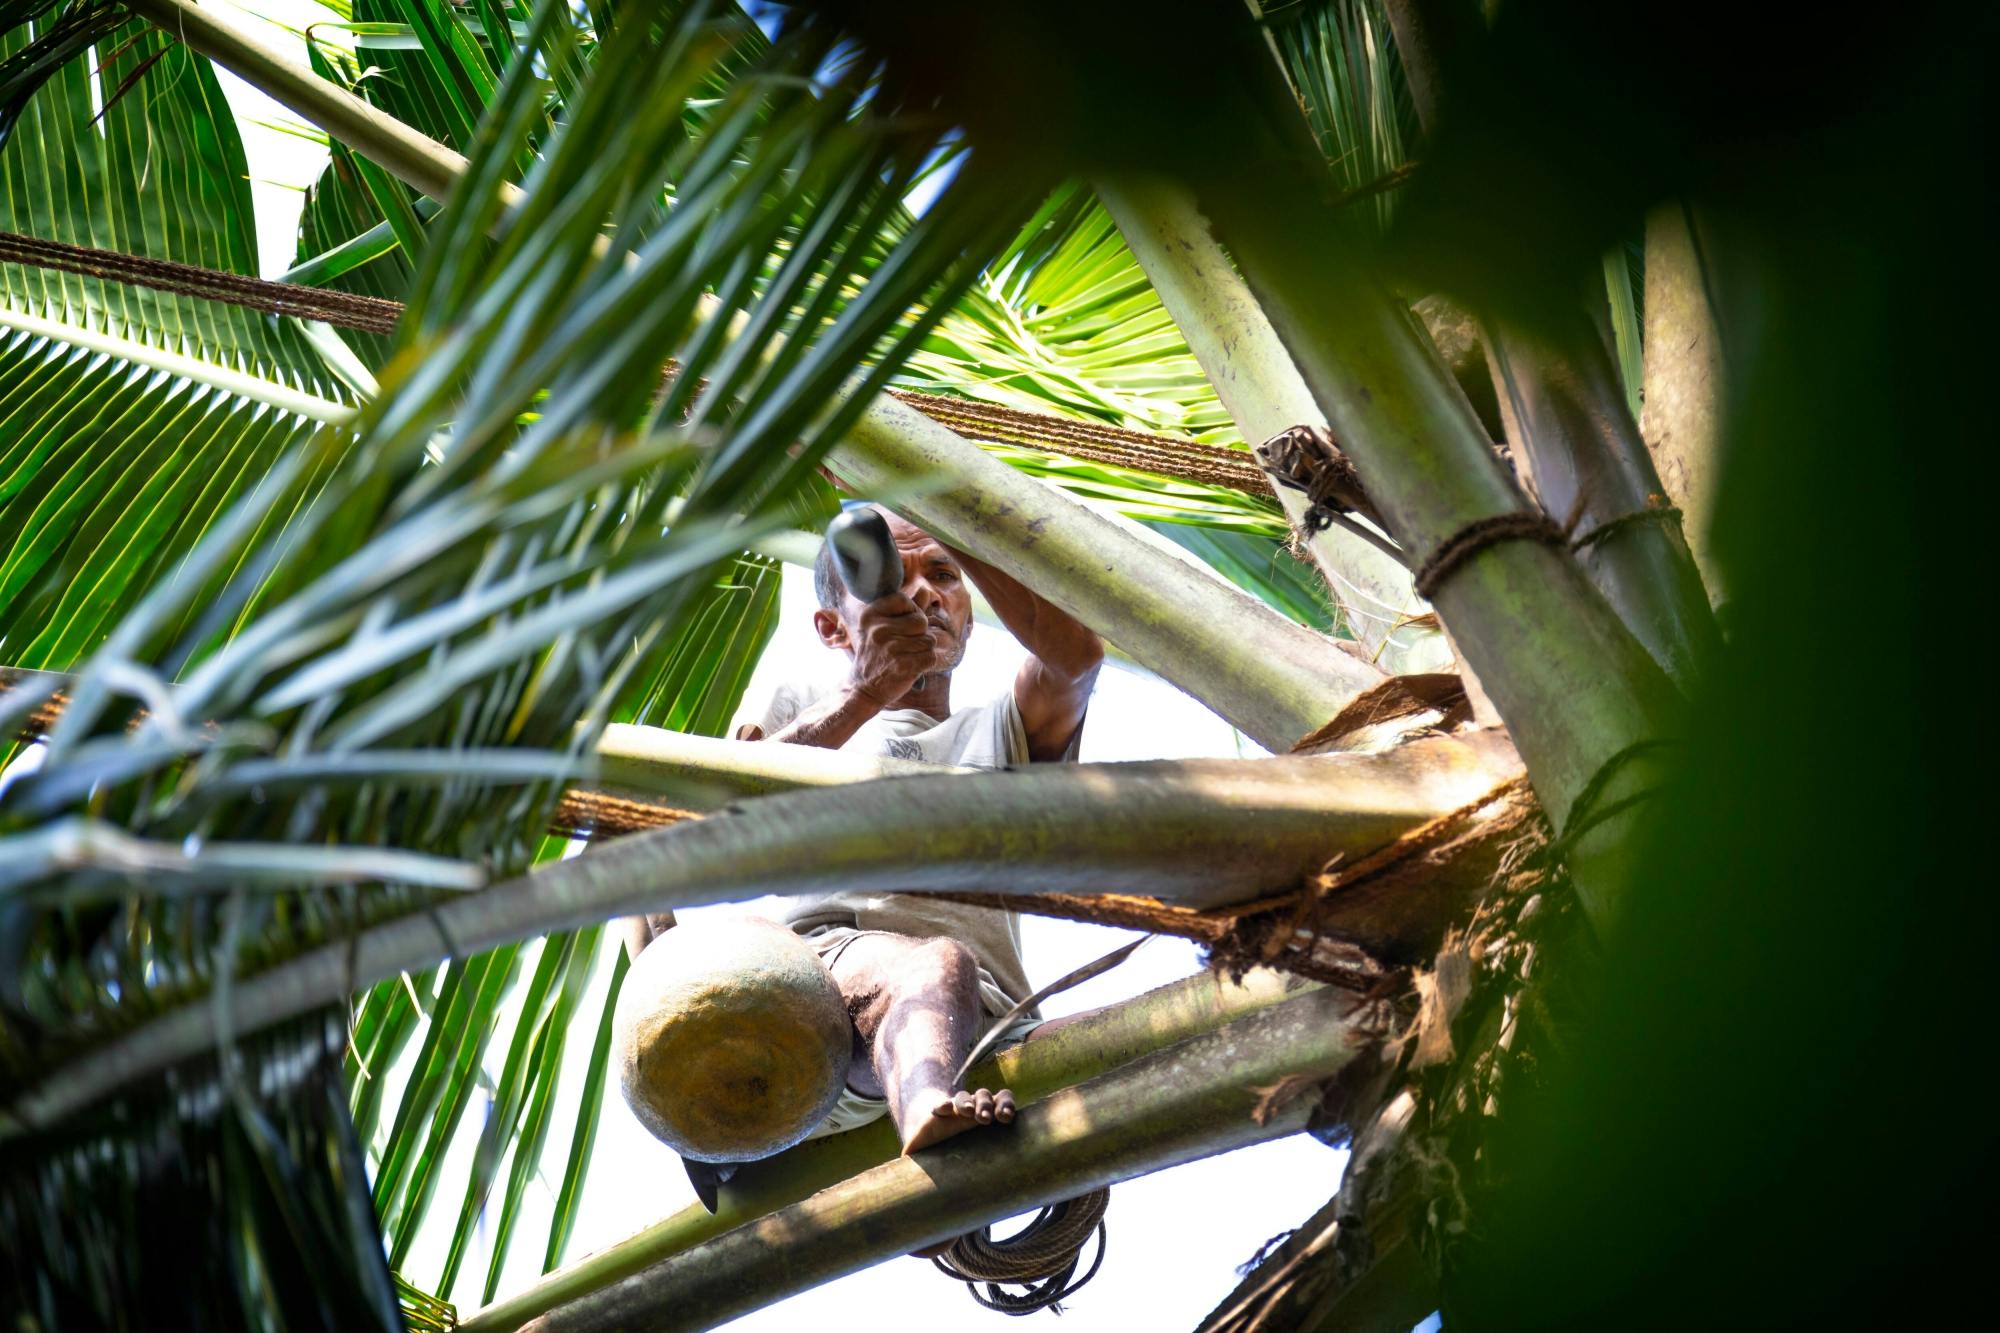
pixel 1573 686
pixel 1579 694
pixel 1057 1058
pixel 1254 376
pixel 1568 416
pixel 1256 1080
pixel 1198 833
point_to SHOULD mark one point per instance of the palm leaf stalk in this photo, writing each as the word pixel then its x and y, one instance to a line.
pixel 413 157
pixel 1062 1057
pixel 1204 833
pixel 1578 693
pixel 706 774
pixel 1274 680
pixel 454 572
pixel 1242 356
pixel 1682 416
pixel 1254 1080
pixel 1581 696
pixel 1569 414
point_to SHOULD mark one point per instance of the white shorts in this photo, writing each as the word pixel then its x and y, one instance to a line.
pixel 853 1109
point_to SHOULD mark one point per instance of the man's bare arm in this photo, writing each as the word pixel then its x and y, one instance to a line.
pixel 828 724
pixel 1054 686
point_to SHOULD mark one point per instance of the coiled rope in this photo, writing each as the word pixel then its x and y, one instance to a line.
pixel 1041 1259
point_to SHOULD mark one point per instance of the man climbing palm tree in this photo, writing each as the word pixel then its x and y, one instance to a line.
pixel 918 973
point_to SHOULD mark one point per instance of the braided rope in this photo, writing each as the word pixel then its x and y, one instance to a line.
pixel 1586 812
pixel 1211 464
pixel 1041 1258
pixel 1159 455
pixel 1475 537
pixel 1657 510
pixel 367 314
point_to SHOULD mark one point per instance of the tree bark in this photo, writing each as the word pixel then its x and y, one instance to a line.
pixel 1255 1080
pixel 1085 1047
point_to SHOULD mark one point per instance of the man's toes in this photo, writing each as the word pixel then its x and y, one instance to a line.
pixel 982 1107
pixel 965 1106
pixel 1003 1107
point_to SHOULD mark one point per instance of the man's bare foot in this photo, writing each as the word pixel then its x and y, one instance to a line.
pixel 954 1113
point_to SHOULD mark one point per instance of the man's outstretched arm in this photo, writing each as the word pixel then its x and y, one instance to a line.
pixel 1064 655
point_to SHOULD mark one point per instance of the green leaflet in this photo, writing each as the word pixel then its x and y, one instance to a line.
pixel 161 174
pixel 109 473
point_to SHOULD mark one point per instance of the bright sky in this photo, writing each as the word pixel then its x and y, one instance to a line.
pixel 1175 1238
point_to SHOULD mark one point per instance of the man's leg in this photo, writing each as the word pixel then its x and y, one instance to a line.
pixel 915 1006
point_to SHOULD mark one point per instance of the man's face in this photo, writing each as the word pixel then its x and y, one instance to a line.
pixel 933 580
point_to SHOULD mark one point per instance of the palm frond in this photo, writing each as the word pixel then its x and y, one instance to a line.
pixel 361 231
pixel 1344 70
pixel 111 469
pixel 232 1196
pixel 53 33
pixel 512 545
pixel 1065 319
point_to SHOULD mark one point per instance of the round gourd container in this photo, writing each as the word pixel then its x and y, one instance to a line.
pixel 730 1039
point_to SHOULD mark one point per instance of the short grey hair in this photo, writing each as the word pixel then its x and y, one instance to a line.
pixel 832 589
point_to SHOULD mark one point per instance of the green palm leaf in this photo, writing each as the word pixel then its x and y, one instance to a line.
pixel 511 546
pixel 1065 320
pixel 424 82
pixel 1345 72
pixel 110 469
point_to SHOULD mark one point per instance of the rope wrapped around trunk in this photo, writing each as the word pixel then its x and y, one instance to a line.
pixel 1041 1259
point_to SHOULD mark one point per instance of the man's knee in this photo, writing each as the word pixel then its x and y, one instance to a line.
pixel 941 961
